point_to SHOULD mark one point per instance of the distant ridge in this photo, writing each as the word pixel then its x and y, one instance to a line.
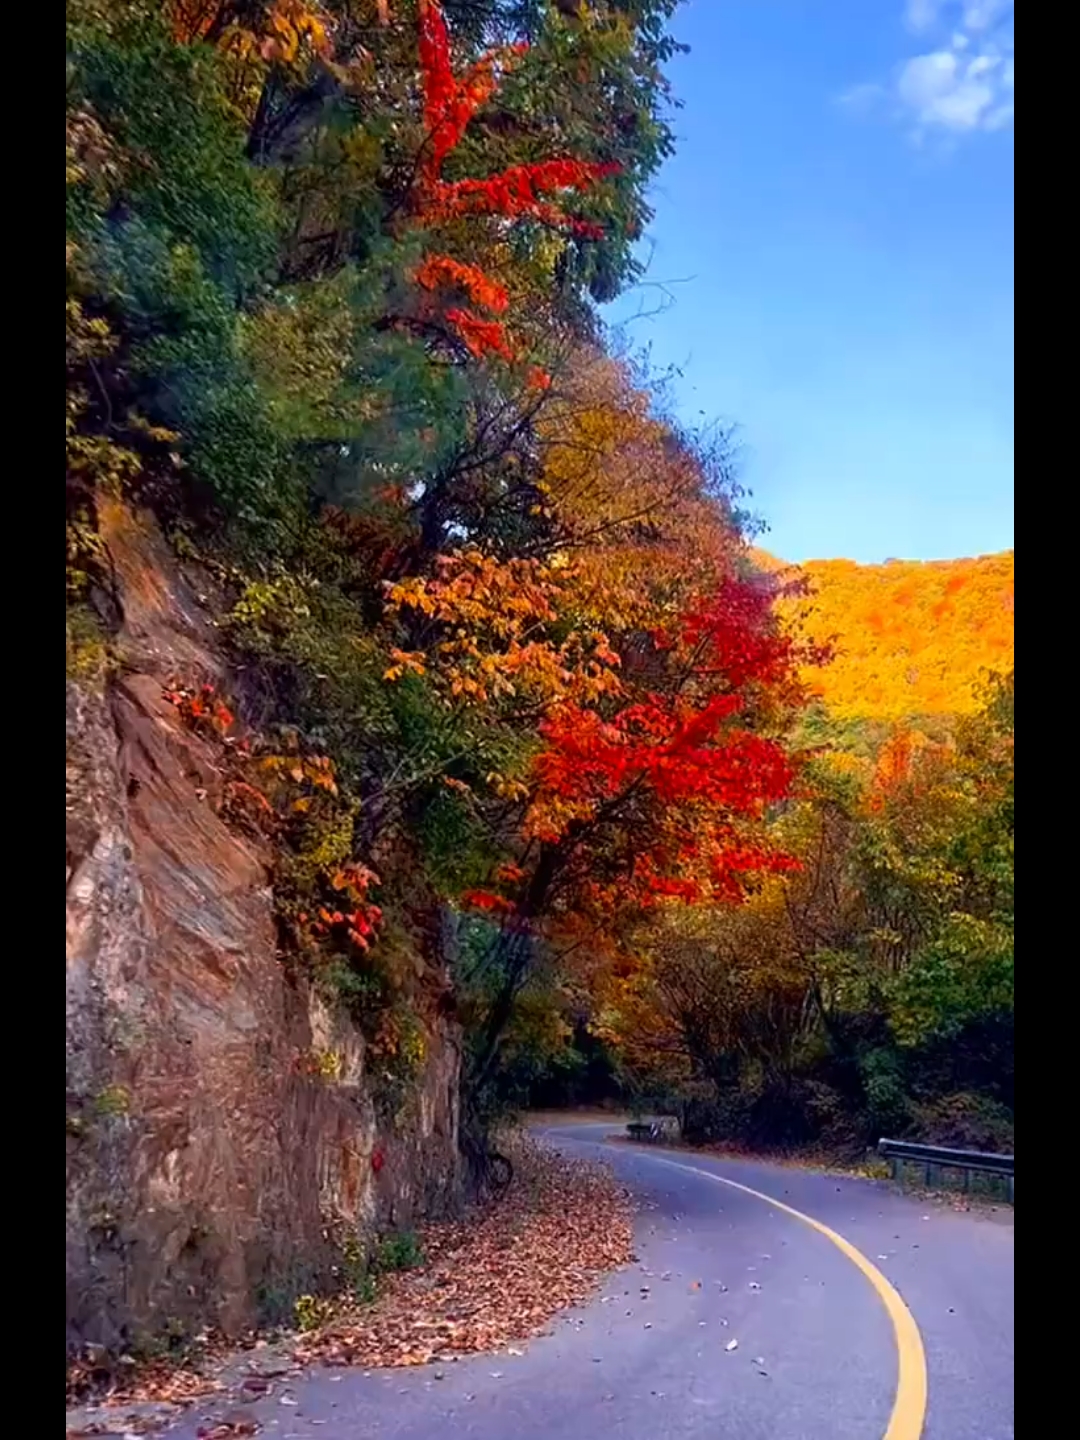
pixel 913 637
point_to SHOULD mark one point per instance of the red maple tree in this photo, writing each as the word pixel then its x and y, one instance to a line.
pixel 520 192
pixel 655 795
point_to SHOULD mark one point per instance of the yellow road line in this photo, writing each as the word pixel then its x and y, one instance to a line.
pixel 909 1406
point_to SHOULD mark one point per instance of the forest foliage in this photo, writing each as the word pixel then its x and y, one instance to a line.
pixel 506 667
pixel 911 638
pixel 869 993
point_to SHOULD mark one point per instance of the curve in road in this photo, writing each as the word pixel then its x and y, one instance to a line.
pixel 746 1317
pixel 909 1407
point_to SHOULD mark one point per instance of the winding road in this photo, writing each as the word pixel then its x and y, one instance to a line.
pixel 768 1304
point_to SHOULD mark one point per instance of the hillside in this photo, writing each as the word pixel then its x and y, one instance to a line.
pixel 911 637
pixel 422 722
pixel 336 411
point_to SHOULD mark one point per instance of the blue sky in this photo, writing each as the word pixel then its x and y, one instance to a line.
pixel 833 246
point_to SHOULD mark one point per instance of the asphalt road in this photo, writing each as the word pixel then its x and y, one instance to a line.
pixel 815 1353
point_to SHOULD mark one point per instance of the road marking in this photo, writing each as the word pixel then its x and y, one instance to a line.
pixel 909 1406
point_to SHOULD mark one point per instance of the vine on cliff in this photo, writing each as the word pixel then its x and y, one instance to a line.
pixel 290 798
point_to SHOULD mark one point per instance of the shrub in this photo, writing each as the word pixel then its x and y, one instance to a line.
pixel 398 1252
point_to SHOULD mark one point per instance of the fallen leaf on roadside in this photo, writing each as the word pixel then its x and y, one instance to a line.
pixel 495 1278
pixel 227 1429
pixel 732 1345
pixel 149 1382
pixel 498 1277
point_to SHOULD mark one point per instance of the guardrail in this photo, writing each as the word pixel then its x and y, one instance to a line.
pixel 904 1152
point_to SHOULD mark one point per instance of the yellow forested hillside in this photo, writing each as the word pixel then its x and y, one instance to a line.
pixel 911 637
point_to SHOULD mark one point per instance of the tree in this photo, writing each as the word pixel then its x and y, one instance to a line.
pixel 341 256
pixel 871 988
pixel 649 796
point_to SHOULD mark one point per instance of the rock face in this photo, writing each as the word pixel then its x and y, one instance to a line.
pixel 209 1180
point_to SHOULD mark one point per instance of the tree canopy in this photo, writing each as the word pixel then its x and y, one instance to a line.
pixel 502 650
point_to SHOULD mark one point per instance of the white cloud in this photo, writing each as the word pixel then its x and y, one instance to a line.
pixel 862 99
pixel 920 15
pixel 940 91
pixel 965 82
pixel 982 14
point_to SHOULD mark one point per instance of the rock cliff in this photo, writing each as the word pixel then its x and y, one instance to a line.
pixel 210 1179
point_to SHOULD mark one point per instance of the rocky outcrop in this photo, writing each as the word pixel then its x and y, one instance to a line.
pixel 210 1180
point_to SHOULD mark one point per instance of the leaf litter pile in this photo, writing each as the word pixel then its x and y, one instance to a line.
pixel 145 1382
pixel 497 1277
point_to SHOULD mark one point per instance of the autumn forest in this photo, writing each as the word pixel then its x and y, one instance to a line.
pixel 529 732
